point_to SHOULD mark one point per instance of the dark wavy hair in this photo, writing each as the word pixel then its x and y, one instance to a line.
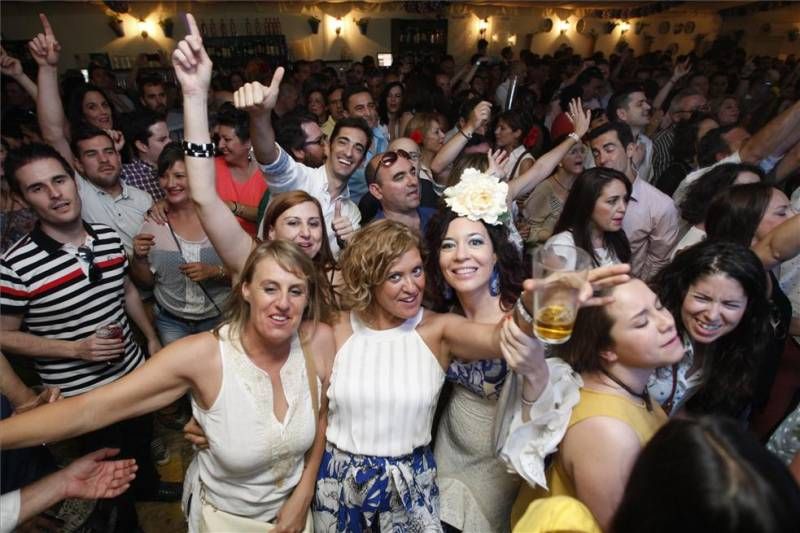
pixel 735 213
pixel 695 205
pixel 75 106
pixel 731 362
pixel 707 474
pixel 577 214
pixel 510 264
pixel 684 147
pixel 383 108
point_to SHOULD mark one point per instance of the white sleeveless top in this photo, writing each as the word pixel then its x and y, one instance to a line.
pixel 383 392
pixel 253 460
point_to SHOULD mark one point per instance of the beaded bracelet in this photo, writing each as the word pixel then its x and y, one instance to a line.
pixel 191 149
pixel 523 313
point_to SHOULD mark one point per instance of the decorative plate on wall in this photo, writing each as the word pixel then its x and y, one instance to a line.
pixel 688 27
pixel 663 27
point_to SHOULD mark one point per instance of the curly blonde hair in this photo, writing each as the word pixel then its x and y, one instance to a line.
pixel 367 259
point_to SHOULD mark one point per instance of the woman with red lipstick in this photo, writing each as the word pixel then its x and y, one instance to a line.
pixel 616 349
pixel 592 216
pixel 717 292
pixel 177 259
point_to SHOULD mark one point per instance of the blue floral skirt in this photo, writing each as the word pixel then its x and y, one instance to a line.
pixel 364 493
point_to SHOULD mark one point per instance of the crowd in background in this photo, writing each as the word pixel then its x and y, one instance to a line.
pixel 302 263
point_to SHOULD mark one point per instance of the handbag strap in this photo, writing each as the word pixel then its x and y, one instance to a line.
pixel 180 252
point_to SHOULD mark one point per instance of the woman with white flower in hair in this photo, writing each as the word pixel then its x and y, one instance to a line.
pixel 475 271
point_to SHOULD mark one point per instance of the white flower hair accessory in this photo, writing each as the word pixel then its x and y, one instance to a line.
pixel 478 196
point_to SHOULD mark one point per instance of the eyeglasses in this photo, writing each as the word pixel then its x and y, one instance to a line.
pixel 86 254
pixel 388 159
pixel 318 141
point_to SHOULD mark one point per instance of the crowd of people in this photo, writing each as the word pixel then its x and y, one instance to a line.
pixel 326 275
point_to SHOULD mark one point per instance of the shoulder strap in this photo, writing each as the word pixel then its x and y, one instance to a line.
pixel 311 372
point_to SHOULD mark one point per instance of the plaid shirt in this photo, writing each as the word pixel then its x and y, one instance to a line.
pixel 142 176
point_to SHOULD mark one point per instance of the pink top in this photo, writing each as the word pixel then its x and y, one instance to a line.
pixel 247 193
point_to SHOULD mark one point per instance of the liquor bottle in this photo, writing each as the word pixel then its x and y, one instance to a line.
pixel 212 29
pixel 232 27
pixel 247 27
pixel 257 27
pixel 267 26
pixel 203 27
pixel 223 30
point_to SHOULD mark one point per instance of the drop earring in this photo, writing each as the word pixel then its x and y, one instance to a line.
pixel 494 282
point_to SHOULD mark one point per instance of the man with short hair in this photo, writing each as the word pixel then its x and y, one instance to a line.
pixel 346 148
pixel 631 107
pixel 681 108
pixel 299 134
pixel 153 96
pixel 105 79
pixel 374 82
pixel 358 102
pixel 148 135
pixel 393 182
pixel 60 285
pixel 335 109
pixel 651 221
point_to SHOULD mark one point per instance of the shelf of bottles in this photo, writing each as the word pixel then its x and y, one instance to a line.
pixel 231 43
pixel 419 38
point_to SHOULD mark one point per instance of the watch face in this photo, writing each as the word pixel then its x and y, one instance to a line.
pixel 688 27
pixel 663 27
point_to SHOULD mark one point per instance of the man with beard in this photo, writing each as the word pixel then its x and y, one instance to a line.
pixel 153 96
pixel 358 102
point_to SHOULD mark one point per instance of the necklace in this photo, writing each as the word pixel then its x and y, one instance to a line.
pixel 560 184
pixel 644 396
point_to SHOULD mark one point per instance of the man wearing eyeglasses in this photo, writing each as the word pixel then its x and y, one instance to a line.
pixel 393 181
pixel 64 282
pixel 345 152
pixel 301 137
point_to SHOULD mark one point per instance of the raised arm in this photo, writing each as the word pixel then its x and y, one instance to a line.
pixel 680 70
pixel 259 101
pixel 193 71
pixel 11 67
pixel 448 153
pixel 45 50
pixel 778 136
pixel 164 378
pixel 545 165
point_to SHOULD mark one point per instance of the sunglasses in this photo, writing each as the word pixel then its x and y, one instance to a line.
pixel 388 159
pixel 86 254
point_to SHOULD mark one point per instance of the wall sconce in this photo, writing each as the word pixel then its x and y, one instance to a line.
pixel 362 25
pixel 483 25
pixel 624 27
pixel 116 26
pixel 313 25
pixel 512 40
pixel 338 26
pixel 167 25
pixel 563 26
pixel 142 26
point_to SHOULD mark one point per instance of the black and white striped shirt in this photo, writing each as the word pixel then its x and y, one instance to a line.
pixel 45 282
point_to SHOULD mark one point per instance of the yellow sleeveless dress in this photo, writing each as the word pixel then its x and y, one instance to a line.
pixel 592 403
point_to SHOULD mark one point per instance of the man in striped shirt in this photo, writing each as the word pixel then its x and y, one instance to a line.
pixel 58 285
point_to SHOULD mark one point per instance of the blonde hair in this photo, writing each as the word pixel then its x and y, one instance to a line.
pixel 366 260
pixel 290 258
pixel 422 122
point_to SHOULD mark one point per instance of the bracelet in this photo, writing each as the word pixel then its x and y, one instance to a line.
pixel 199 150
pixel 462 132
pixel 523 313
pixel 574 136
pixel 526 403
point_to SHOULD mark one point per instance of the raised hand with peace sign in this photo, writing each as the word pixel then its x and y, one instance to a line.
pixel 191 62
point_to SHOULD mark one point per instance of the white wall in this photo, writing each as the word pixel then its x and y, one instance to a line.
pixel 82 28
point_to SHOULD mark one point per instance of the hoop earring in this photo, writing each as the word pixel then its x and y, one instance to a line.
pixel 494 282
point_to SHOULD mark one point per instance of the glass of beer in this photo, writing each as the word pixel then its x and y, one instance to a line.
pixel 562 270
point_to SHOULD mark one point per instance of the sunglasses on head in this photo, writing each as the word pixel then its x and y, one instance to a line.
pixel 86 254
pixel 388 159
